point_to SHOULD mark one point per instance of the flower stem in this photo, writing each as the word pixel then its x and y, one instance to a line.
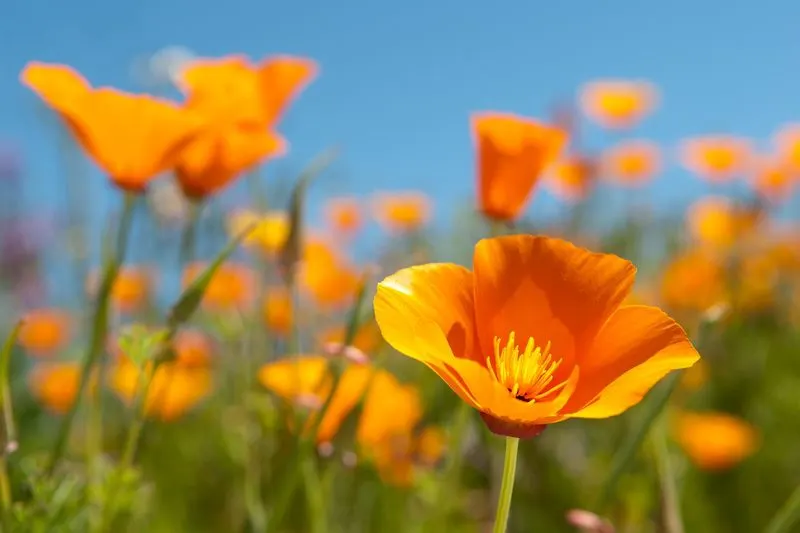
pixel 673 523
pixel 507 485
pixel 787 516
pixel 314 496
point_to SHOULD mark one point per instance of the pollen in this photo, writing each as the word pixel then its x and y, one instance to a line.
pixel 527 374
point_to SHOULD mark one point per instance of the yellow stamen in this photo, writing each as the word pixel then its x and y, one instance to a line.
pixel 526 375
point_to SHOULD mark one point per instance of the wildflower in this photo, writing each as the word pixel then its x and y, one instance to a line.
pixel 344 215
pixel 231 286
pixel 694 280
pixel 132 137
pixel 327 277
pixel 715 441
pixel 772 181
pixel 45 331
pixel 367 337
pixel 512 153
pixel 270 233
pixel 55 385
pixel 632 162
pixel 717 222
pixel 278 311
pixel 401 212
pixel 717 159
pixel 618 104
pixel 130 291
pixel 430 445
pixel 193 349
pixel 572 178
pixel 787 147
pixel 534 334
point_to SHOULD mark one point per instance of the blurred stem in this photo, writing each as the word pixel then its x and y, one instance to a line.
pixel 314 492
pixel 189 236
pixel 9 433
pixel 99 326
pixel 451 477
pixel 673 522
pixel 787 516
pixel 507 485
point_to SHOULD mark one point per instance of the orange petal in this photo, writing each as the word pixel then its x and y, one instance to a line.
pixel 282 78
pixel 57 85
pixel 547 289
pixel 637 347
pixel 440 294
pixel 512 153
pixel 293 377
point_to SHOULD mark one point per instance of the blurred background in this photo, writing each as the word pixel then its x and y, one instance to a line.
pixel 689 169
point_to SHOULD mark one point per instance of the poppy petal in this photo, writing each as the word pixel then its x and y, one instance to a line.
pixel 637 347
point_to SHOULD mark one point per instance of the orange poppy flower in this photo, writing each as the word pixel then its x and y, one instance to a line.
pixel 45 331
pixel 632 162
pixel 772 181
pixel 572 178
pixel 327 277
pixel 757 281
pixel 694 281
pixel 192 349
pixel 269 236
pixel 717 159
pixel 281 79
pixel 787 145
pixel 717 221
pixel 430 446
pixel 231 287
pixel 133 138
pixel 534 334
pixel 618 104
pixel 55 385
pixel 278 311
pixel 401 212
pixel 715 441
pixel 174 389
pixel 512 154
pixel 344 215
pixel 367 338
pixel 131 288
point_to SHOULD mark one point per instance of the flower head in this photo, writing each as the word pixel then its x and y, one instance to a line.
pixel 401 212
pixel 632 162
pixel 716 158
pixel 344 215
pixel 231 287
pixel 694 280
pixel 55 385
pixel 45 331
pixel 512 154
pixel 715 441
pixel 534 334
pixel 618 104
pixel 571 178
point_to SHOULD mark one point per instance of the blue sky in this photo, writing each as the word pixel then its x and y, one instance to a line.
pixel 399 79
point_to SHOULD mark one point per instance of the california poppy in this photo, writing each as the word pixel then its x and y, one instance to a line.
pixel 618 104
pixel 344 215
pixel 270 233
pixel 787 146
pixel 326 275
pixel 131 288
pixel 55 385
pixel 715 441
pixel 772 180
pixel 231 287
pixel 695 281
pixel 278 311
pixel 716 158
pixel 512 153
pixel 193 348
pixel 402 211
pixel 632 162
pixel 45 331
pixel 534 334
pixel 719 222
pixel 571 178
pixel 132 137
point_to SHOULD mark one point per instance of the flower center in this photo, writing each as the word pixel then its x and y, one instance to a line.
pixel 527 375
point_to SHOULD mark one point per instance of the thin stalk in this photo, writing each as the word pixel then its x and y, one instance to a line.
pixel 189 236
pixel 673 522
pixel 314 495
pixel 507 486
pixel 99 327
pixel 451 476
pixel 787 516
pixel 9 432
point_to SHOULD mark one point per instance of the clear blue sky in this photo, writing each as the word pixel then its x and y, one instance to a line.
pixel 399 79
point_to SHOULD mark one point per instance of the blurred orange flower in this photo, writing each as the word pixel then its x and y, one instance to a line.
pixel 133 138
pixel 632 162
pixel 231 287
pixel 401 212
pixel 131 288
pixel 694 281
pixel 718 158
pixel 572 177
pixel 192 348
pixel 512 153
pixel 269 236
pixel 773 181
pixel 344 215
pixel 618 104
pixel 278 311
pixel 431 445
pixel 757 281
pixel 174 389
pixel 327 277
pixel 55 385
pixel 715 441
pixel 581 354
pixel 367 338
pixel 787 147
pixel 45 331
pixel 718 222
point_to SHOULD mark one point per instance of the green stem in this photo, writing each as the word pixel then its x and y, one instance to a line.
pixel 189 236
pixel 9 434
pixel 673 522
pixel 787 516
pixel 452 472
pixel 99 327
pixel 507 486
pixel 314 496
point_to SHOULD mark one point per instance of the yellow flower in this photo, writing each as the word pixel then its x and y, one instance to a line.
pixel 269 236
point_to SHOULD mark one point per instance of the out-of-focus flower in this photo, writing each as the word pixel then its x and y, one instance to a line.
pixel 632 162
pixel 270 233
pixel 55 385
pixel 231 287
pixel 757 281
pixel 401 212
pixel 278 311
pixel 715 441
pixel 133 138
pixel 512 153
pixel 430 446
pixel 174 389
pixel 45 331
pixel 718 222
pixel 327 277
pixel 193 349
pixel 588 522
pixel 618 104
pixel 367 337
pixel 131 288
pixel 772 180
pixel 694 281
pixel 581 354
pixel 244 101
pixel 344 215
pixel 716 158
pixel 787 147
pixel 571 178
